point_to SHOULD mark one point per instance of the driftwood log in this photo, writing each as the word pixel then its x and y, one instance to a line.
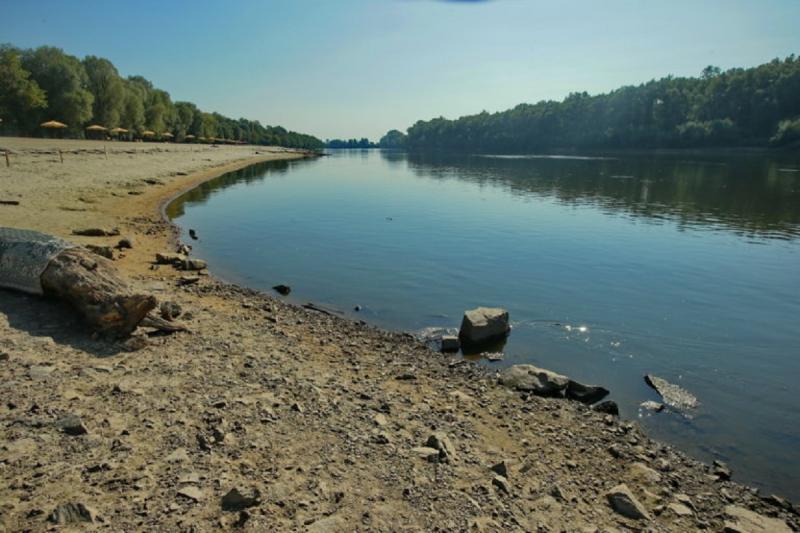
pixel 92 285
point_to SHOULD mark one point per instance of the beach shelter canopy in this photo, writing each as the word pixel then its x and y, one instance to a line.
pixel 189 137
pixel 53 124
pixel 167 134
pixel 96 127
pixel 148 133
pixel 119 130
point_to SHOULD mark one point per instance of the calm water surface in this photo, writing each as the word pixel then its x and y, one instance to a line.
pixel 682 265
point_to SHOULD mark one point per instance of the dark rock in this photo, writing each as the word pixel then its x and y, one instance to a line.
pixel 450 343
pixel 170 310
pixel 501 469
pixel 533 379
pixel 96 232
pixel 609 407
pixel 167 258
pixel 125 243
pixel 484 324
pixel 721 470
pixel 193 234
pixel 282 289
pixel 72 425
pixel 502 484
pixel 72 513
pixel 193 264
pixel 587 394
pixel 102 251
pixel 236 501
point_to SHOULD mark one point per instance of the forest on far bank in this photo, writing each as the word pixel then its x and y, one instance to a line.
pixel 46 84
pixel 757 106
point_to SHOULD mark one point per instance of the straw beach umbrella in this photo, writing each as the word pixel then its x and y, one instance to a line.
pixel 97 129
pixel 148 133
pixel 53 125
pixel 167 134
pixel 117 131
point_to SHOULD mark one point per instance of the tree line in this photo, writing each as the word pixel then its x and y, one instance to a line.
pixel 757 106
pixel 42 84
pixel 350 143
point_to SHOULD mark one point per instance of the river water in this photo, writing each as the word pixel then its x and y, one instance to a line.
pixel 683 265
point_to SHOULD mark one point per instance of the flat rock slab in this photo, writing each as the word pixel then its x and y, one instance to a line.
pixel 625 503
pixel 672 394
pixel 745 521
pixel 533 379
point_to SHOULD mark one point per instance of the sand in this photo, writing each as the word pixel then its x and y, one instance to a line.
pixel 320 420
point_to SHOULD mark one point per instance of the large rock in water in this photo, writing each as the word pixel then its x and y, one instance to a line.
pixel 484 324
pixel 587 394
pixel 533 379
pixel 673 395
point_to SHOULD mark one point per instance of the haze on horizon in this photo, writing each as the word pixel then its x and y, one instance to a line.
pixel 358 68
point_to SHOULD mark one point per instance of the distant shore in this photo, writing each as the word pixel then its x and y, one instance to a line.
pixel 323 424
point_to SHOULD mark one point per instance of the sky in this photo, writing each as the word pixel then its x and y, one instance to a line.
pixel 357 68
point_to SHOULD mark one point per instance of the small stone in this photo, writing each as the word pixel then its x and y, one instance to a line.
pixel 625 503
pixel 96 232
pixel 501 469
pixel 680 509
pixel 236 501
pixel 169 258
pixel 429 454
pixel 650 405
pixel 297 407
pixel 125 243
pixel 170 310
pixel 282 289
pixel 41 371
pixel 502 484
pixel 72 425
pixel 587 394
pixel 380 420
pixel 450 343
pixel 539 381
pixel 721 470
pixel 440 441
pixel 609 407
pixel 193 234
pixel 191 493
pixel 177 456
pixel 72 513
pixel 4 356
pixel 102 251
pixel 193 264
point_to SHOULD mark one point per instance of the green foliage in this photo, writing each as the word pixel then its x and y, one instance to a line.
pixel 64 81
pixel 108 90
pixel 788 132
pixel 393 139
pixel 47 84
pixel 19 95
pixel 735 107
pixel 350 143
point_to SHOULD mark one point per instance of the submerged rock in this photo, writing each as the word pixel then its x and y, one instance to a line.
pixel 282 289
pixel 533 379
pixel 673 395
pixel 609 407
pixel 587 394
pixel 484 324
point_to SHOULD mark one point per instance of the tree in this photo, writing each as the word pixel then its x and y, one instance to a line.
pixel 64 81
pixel 108 90
pixel 19 95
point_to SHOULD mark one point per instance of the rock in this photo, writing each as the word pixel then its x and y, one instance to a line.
pixel 40 371
pixel 188 280
pixel 177 456
pixel 4 356
pixel 193 234
pixel 587 394
pixel 441 442
pixel 493 356
pixel 645 473
pixel 193 264
pixel 501 469
pixel 502 484
pixel 184 249
pixel 191 493
pixel 125 243
pixel 680 509
pixel 609 407
pixel 72 513
pixel 721 470
pixel 170 310
pixel 168 258
pixel 282 289
pixel 450 343
pixel 380 420
pixel 672 394
pixel 429 454
pixel 746 521
pixel 652 406
pixel 484 324
pixel 236 501
pixel 96 232
pixel 533 379
pixel 72 425
pixel 326 525
pixel 103 251
pixel 625 503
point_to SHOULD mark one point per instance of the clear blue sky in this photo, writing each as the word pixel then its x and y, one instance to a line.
pixel 352 68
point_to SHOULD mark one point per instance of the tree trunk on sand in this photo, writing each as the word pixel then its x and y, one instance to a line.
pixel 91 284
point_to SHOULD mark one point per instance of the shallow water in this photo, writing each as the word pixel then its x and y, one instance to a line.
pixel 684 265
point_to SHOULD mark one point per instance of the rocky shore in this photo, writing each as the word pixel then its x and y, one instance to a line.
pixel 266 416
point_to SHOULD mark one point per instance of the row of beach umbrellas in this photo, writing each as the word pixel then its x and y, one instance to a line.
pixel 56 125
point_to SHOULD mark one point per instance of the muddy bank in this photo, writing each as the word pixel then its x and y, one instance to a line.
pixel 317 422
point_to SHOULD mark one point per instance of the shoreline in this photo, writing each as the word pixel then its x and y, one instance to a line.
pixel 325 418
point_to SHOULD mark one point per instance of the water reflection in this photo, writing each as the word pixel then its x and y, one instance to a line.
pixel 749 194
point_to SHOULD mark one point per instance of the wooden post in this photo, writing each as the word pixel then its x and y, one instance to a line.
pixel 60 155
pixel 105 149
pixel 8 162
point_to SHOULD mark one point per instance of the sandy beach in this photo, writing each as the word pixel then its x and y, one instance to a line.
pixel 319 423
